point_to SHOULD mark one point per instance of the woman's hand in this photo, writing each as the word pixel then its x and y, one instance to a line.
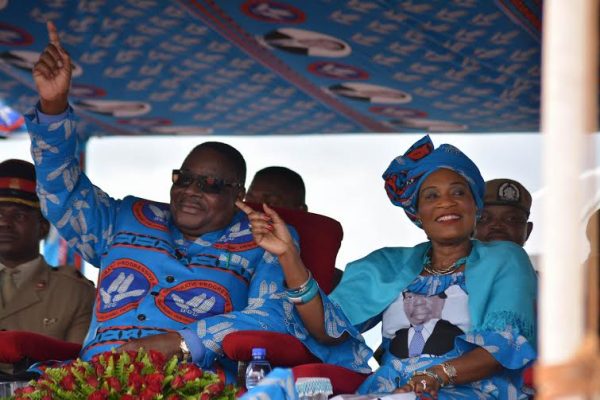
pixel 269 230
pixel 166 343
pixel 52 75
pixel 421 384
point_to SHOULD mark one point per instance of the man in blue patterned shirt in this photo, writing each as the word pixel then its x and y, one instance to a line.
pixel 173 277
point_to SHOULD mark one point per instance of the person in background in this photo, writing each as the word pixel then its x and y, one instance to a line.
pixel 278 187
pixel 494 285
pixel 176 278
pixel 282 187
pixel 35 297
pixel 506 208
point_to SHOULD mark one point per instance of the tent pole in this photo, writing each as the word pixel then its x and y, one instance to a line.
pixel 569 115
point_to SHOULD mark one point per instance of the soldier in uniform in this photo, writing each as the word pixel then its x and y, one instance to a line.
pixel 35 297
pixel 506 208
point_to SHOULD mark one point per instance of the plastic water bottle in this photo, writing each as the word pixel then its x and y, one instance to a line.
pixel 258 368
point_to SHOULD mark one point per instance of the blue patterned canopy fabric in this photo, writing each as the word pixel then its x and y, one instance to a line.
pixel 261 67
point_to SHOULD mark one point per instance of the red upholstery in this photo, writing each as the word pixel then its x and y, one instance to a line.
pixel 528 377
pixel 320 241
pixel 18 345
pixel 342 379
pixel 282 350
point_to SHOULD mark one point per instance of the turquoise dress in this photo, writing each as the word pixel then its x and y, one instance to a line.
pixel 501 287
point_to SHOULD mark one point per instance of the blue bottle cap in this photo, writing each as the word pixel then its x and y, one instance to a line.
pixel 259 352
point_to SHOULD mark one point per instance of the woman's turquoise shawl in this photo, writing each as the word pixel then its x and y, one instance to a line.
pixel 500 280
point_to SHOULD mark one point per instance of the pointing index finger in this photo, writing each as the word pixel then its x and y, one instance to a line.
pixel 245 208
pixel 53 34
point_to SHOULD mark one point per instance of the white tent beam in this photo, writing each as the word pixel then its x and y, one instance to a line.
pixel 569 115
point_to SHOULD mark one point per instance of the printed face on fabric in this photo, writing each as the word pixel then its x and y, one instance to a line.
pixel 446 207
pixel 420 308
pixel 196 212
pixel 21 229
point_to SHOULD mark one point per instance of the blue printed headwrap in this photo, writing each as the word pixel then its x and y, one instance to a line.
pixel 406 174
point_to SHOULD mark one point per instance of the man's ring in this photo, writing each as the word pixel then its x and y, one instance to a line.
pixel 424 383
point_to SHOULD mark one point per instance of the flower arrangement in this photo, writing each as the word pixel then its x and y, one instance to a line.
pixel 127 376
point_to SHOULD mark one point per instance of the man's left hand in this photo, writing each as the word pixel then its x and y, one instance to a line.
pixel 166 343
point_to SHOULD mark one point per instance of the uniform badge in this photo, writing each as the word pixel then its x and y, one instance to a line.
pixel 509 192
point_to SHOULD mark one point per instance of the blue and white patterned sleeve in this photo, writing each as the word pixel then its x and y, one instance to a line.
pixel 353 353
pixel 509 347
pixel 67 197
pixel 265 311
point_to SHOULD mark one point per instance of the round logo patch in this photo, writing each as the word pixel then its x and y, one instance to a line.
pixel 152 215
pixel 194 300
pixel 272 11
pixel 85 91
pixel 13 36
pixel 121 287
pixel 336 70
pixel 398 112
pixel 145 122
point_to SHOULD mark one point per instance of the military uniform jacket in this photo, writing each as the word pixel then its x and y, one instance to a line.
pixel 56 302
pixel 152 280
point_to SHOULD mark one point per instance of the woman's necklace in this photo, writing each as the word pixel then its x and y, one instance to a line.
pixel 445 271
pixel 428 268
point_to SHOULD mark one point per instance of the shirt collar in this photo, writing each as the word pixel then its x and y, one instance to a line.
pixel 23 272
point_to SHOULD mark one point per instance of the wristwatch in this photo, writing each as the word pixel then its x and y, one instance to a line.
pixel 186 354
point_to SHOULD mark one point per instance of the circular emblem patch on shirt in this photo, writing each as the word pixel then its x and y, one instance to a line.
pixel 152 215
pixel 121 287
pixel 194 300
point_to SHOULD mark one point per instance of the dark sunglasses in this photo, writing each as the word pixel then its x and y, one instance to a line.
pixel 206 184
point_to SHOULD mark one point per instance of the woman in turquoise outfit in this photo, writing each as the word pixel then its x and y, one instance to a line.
pixel 457 314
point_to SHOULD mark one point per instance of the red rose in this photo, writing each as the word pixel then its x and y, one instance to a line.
pixel 148 394
pixel 114 383
pixel 25 390
pixel 92 381
pixel 215 388
pixel 101 394
pixel 158 359
pixel 99 369
pixel 95 359
pixel 138 366
pixel 191 372
pixel 173 397
pixel 155 381
pixel 135 381
pixel 204 396
pixel 177 382
pixel 68 382
pixel 127 397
